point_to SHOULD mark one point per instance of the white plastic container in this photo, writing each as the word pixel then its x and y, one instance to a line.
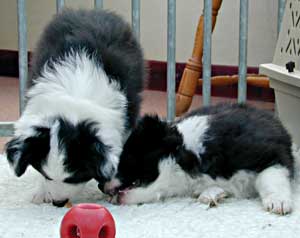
pixel 287 85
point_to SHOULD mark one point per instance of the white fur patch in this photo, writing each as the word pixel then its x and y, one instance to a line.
pixel 54 167
pixel 274 188
pixel 193 130
pixel 109 169
pixel 174 182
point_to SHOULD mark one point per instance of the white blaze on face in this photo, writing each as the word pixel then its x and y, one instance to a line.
pixel 54 166
pixel 109 167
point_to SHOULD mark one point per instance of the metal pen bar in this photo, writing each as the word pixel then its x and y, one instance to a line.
pixel 171 59
pixel 135 17
pixel 280 12
pixel 23 56
pixel 6 129
pixel 281 7
pixel 60 5
pixel 243 36
pixel 206 88
pixel 98 4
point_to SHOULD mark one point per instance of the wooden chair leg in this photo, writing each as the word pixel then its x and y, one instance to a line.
pixel 193 68
pixel 256 80
pixel 187 86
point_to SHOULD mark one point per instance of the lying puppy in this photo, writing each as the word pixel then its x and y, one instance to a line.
pixel 83 101
pixel 212 153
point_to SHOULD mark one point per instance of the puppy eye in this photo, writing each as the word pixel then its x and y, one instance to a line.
pixel 136 183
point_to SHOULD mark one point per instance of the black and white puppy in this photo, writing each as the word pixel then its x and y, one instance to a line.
pixel 215 152
pixel 82 103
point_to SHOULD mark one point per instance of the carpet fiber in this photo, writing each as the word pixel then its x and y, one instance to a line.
pixel 172 218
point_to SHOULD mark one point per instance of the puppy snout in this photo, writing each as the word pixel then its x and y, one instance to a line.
pixel 109 191
pixel 112 191
pixel 60 203
pixel 111 187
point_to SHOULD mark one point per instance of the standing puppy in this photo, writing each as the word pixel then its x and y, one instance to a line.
pixel 212 153
pixel 83 101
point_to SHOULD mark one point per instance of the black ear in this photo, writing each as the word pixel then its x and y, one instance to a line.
pixel 157 133
pixel 151 122
pixel 32 150
pixel 151 126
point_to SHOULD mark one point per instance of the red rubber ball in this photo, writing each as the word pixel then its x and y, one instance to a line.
pixel 88 220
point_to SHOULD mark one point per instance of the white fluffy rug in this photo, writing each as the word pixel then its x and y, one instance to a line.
pixel 173 218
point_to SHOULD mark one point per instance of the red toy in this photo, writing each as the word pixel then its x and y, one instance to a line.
pixel 88 220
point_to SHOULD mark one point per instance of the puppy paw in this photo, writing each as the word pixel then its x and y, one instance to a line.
pixel 112 199
pixel 277 205
pixel 41 197
pixel 212 196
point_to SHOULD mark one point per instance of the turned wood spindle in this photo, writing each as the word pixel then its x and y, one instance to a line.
pixel 193 68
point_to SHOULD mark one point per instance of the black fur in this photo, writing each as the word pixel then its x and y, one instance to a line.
pixel 85 152
pixel 244 138
pixel 104 35
pixel 239 137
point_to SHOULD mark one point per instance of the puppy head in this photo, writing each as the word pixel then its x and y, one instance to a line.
pixel 152 140
pixel 64 153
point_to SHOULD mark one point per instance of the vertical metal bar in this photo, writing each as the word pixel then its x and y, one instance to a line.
pixel 98 4
pixel 207 52
pixel 60 5
pixel 6 129
pixel 135 17
pixel 243 36
pixel 171 59
pixel 23 57
pixel 281 6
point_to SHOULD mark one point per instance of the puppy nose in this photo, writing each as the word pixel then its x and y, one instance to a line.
pixel 60 203
pixel 111 187
pixel 111 192
pixel 106 190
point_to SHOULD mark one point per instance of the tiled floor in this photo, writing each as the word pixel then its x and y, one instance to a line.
pixel 153 102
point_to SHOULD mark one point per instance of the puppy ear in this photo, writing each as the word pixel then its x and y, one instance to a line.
pixel 13 152
pixel 151 126
pixel 32 150
pixel 151 122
